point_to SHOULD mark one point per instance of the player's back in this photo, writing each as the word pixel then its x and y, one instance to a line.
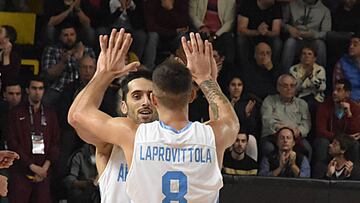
pixel 170 165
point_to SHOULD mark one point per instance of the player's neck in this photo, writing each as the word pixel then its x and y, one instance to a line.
pixel 174 118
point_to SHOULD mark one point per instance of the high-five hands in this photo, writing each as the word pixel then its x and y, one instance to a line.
pixel 200 60
pixel 113 54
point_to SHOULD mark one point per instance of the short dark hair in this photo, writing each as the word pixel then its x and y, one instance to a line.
pixel 10 83
pixel 346 83
pixel 172 83
pixel 66 25
pixel 10 33
pixel 310 47
pixel 37 79
pixel 345 142
pixel 132 76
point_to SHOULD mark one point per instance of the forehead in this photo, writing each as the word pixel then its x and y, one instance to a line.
pixel 307 50
pixel 263 47
pixel 339 86
pixel 236 80
pixel 13 88
pixel 285 133
pixel 36 84
pixel 69 30
pixel 140 84
pixel 355 40
pixel 241 136
pixel 287 80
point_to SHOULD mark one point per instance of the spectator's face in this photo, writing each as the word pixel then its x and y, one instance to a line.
pixel 287 87
pixel 12 95
pixel 339 93
pixel 354 48
pixel 235 88
pixel 334 148
pixel 138 106
pixel 2 35
pixel 267 3
pixel 262 54
pixel 349 3
pixel 240 143
pixel 35 91
pixel 87 69
pixel 307 57
pixel 285 140
pixel 68 37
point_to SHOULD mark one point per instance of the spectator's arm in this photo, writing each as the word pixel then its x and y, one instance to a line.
pixel 325 26
pixel 196 20
pixel 322 119
pixel 304 168
pixel 228 21
pixel 57 19
pixel 83 18
pixel 319 80
pixel 242 27
pixel 50 65
pixel 265 168
pixel 305 123
pixel 269 121
pixel 276 27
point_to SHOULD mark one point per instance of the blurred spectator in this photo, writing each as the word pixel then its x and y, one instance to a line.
pixel 285 110
pixel 12 97
pixel 261 73
pixel 258 21
pixel 6 160
pixel 285 162
pixel 9 60
pixel 60 62
pixel 33 133
pixel 340 167
pixel 13 5
pixel 336 115
pixel 121 8
pixel 166 22
pixel 308 21
pixel 65 12
pixel 348 67
pixel 83 176
pixel 236 161
pixel 215 19
pixel 311 80
pixel 245 106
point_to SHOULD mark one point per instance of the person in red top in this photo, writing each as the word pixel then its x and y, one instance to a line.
pixel 338 114
pixel 33 134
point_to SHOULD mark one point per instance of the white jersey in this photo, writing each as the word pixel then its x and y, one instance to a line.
pixel 112 180
pixel 174 166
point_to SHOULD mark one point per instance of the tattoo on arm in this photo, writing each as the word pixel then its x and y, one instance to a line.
pixel 212 91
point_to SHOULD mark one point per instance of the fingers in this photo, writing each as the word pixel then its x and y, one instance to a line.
pixel 194 44
pixel 185 46
pixel 9 155
pixel 132 66
pixel 200 43
pixel 125 45
pixel 103 39
pixel 112 39
pixel 119 39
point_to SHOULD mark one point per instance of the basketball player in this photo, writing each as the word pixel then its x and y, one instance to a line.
pixel 171 159
pixel 110 160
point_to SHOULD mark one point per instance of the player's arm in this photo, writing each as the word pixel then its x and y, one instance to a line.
pixel 103 152
pixel 202 65
pixel 93 125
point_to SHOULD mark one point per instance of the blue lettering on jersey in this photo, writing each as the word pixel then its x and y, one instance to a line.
pixel 122 173
pixel 175 155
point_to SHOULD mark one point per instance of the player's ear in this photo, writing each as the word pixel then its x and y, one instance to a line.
pixel 193 95
pixel 153 99
pixel 123 107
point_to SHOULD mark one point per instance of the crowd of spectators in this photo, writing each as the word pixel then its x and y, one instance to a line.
pixel 291 69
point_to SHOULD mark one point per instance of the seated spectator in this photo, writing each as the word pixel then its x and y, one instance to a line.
pixel 285 162
pixel 261 73
pixel 285 110
pixel 82 178
pixel 236 161
pixel 348 67
pixel 13 5
pixel 166 21
pixel 308 21
pixel 310 77
pixel 340 167
pixel 259 20
pixel 245 106
pixel 12 97
pixel 345 21
pixel 60 62
pixel 65 12
pixel 338 114
pixel 215 19
pixel 9 60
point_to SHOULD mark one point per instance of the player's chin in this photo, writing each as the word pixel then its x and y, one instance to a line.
pixel 145 118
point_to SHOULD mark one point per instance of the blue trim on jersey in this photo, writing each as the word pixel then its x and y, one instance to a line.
pixel 163 125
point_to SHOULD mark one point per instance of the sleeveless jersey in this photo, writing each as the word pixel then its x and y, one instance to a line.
pixel 174 166
pixel 112 180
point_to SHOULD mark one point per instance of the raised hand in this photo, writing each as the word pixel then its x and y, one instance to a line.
pixel 199 57
pixel 331 168
pixel 7 158
pixel 113 54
